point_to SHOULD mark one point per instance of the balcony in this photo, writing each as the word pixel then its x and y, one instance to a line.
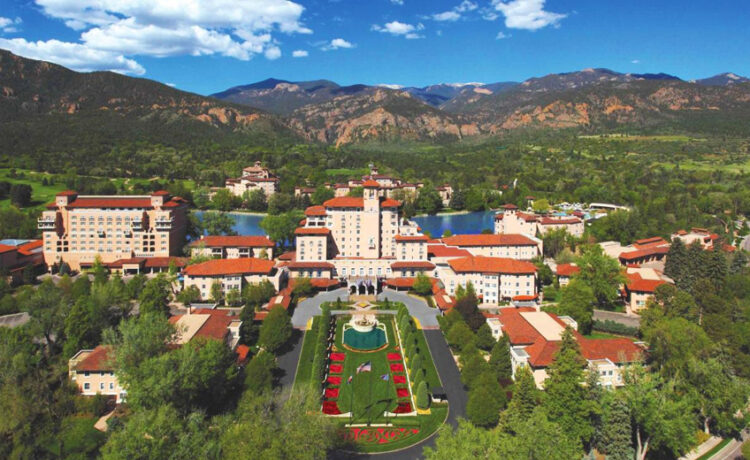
pixel 136 225
pixel 45 223
pixel 164 223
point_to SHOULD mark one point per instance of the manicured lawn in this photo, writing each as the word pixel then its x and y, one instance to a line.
pixel 368 396
pixel 715 449
pixel 600 335
pixel 304 367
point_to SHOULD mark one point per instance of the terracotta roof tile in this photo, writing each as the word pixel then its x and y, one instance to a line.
pixel 345 202
pixel 411 238
pixel 312 231
pixel 489 240
pixel 220 267
pixel 567 269
pixel 234 241
pixel 481 264
pixel 412 264
pixel 315 211
pixel 100 359
pixel 441 250
pixel 303 265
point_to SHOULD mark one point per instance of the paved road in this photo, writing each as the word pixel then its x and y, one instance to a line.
pixel 311 307
pixel 622 318
pixel 418 308
pixel 289 359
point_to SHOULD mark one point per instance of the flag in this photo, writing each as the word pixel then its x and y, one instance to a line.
pixel 385 377
pixel 364 367
pixel 349 380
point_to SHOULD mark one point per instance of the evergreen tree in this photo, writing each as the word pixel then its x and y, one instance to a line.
pixel 565 398
pixel 739 263
pixel 500 359
pixel 423 396
pixel 485 341
pixel 674 266
pixel 525 398
pixel 616 433
pixel 482 409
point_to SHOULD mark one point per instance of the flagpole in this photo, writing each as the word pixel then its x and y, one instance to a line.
pixel 351 402
pixel 369 399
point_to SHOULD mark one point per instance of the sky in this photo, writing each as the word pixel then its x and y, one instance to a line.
pixel 206 46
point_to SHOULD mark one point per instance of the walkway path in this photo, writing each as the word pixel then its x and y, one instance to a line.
pixel 418 308
pixel 310 307
pixel 621 318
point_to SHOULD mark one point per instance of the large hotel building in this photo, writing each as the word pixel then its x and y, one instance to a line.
pixel 76 229
pixel 364 241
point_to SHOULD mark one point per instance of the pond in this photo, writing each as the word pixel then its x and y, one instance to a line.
pixel 470 223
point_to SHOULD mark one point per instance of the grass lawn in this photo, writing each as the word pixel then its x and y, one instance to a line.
pixel 601 335
pixel 304 367
pixel 369 396
pixel 715 449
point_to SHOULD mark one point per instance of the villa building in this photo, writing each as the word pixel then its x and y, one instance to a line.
pixel 513 221
pixel 535 338
pixel 16 255
pixel 233 247
pixel 93 371
pixel 703 236
pixel 231 274
pixel 513 246
pixel 640 287
pixel 564 272
pixel 446 193
pixel 495 279
pixel 77 229
pixel 649 251
pixel 254 178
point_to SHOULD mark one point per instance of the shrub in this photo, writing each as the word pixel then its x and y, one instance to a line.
pixel 423 397
pixel 415 363
pixel 614 328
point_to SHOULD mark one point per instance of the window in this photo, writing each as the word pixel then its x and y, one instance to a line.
pixel 111 386
pixel 101 385
pixel 86 386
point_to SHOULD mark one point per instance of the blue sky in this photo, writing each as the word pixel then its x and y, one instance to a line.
pixel 206 46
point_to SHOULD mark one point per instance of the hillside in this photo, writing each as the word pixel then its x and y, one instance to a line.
pixel 46 107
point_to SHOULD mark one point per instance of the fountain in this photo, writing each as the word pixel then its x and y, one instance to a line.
pixel 363 323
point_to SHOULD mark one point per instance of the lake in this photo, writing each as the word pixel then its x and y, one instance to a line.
pixel 470 223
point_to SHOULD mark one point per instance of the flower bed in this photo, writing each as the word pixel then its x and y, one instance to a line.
pixel 397 368
pixel 332 393
pixel 336 368
pixel 377 435
pixel 399 379
pixel 338 356
pixel 333 380
pixel 331 408
pixel 403 408
pixel 394 357
pixel 401 392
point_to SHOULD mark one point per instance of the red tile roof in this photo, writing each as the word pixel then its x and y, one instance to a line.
pixel 411 238
pixel 321 264
pixel 26 248
pixel 100 359
pixel 481 264
pixel 289 255
pixel 402 283
pixel 215 327
pixel 243 351
pixel 234 241
pixel 369 183
pixel 345 202
pixel 117 202
pixel 322 283
pixel 5 248
pixel 567 269
pixel 67 193
pixel 488 240
pixel 412 264
pixel 645 252
pixel 559 220
pixel 441 250
pixel 390 203
pixel 509 206
pixel 315 211
pixel 524 298
pixel 219 267
pixel 652 240
pixel 636 283
pixel 321 231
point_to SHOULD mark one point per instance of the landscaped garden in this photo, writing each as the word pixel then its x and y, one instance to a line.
pixel 374 371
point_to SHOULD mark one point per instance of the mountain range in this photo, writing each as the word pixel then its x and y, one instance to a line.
pixel 38 98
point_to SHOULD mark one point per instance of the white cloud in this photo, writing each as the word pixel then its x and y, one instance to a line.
pixel 390 86
pixel 455 13
pixel 173 85
pixel 337 43
pixel 398 2
pixel 446 16
pixel 299 53
pixel 527 14
pixel 399 28
pixel 635 61
pixel 73 55
pixel 8 25
pixel 160 28
pixel 500 35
